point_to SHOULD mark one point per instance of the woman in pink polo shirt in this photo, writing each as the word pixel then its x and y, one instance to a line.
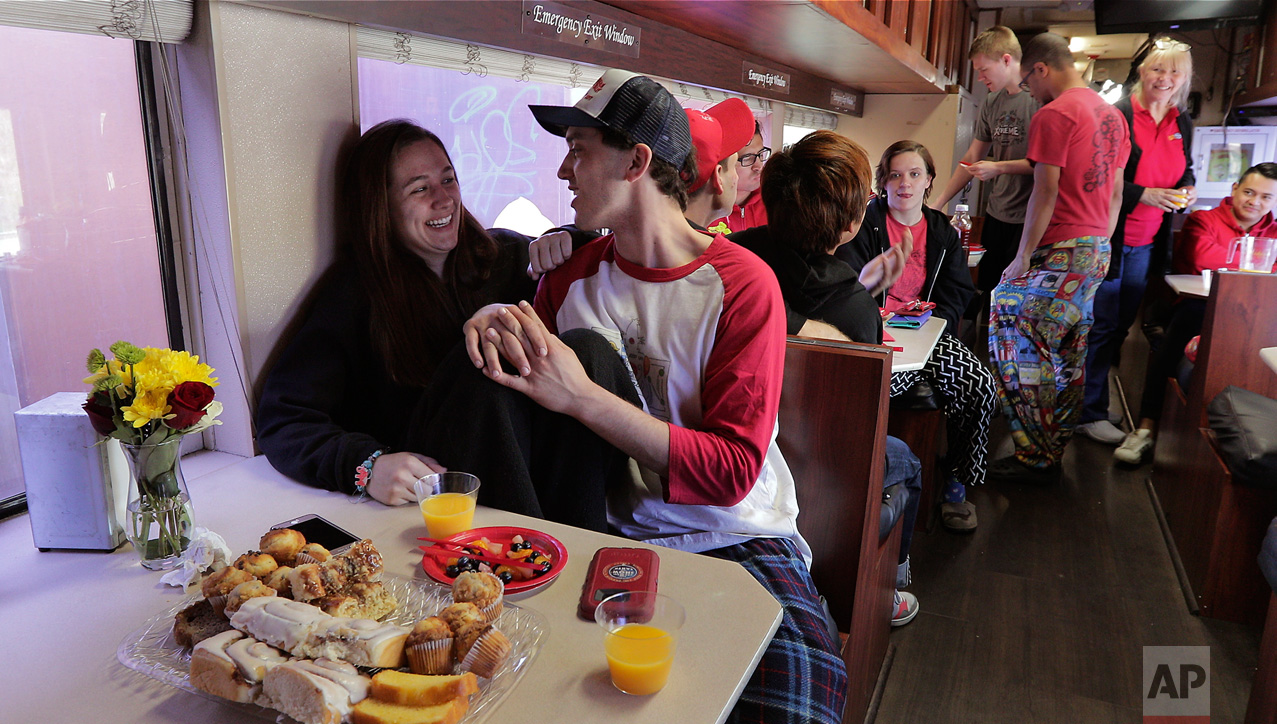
pixel 1158 181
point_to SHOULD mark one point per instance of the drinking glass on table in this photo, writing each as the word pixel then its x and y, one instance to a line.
pixel 640 633
pixel 447 502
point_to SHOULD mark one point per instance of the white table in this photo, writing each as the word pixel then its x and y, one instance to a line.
pixel 1188 285
pixel 914 346
pixel 65 613
pixel 1269 356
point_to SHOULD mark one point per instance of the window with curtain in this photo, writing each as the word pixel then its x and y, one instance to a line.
pixel 79 266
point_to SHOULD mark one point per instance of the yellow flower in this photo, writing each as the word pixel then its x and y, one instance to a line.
pixel 152 405
pixel 179 367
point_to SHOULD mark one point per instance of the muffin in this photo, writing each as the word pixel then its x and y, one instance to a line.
pixel 312 553
pixel 245 591
pixel 278 580
pixel 466 636
pixel 218 585
pixel 487 650
pixel 483 590
pixel 258 564
pixel 459 615
pixel 429 647
pixel 283 545
pixel 306 582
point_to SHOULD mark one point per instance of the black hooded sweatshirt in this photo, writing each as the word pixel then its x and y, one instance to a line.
pixel 816 286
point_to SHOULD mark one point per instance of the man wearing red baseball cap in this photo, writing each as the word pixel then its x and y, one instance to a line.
pixel 718 134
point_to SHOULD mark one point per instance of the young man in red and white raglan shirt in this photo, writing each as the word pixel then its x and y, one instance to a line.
pixel 701 323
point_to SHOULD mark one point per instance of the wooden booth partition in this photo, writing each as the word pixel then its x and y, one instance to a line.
pixel 833 427
pixel 1214 525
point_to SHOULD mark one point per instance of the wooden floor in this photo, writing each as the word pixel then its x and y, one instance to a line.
pixel 1042 613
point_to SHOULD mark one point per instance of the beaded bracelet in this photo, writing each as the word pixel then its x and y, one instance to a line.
pixel 363 473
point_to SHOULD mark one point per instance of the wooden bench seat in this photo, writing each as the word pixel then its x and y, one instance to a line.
pixel 833 428
pixel 1215 526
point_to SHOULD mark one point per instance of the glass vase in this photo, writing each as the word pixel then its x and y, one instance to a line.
pixel 159 509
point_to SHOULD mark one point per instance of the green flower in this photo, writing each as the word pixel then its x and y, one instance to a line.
pixel 95 361
pixel 127 353
pixel 109 382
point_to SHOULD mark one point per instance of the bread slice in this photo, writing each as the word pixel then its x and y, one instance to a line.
pixel 212 670
pixel 397 687
pixel 314 692
pixel 372 711
pixel 232 665
pixel 197 622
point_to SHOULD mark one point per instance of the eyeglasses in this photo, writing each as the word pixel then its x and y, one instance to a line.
pixel 1168 44
pixel 1024 82
pixel 748 159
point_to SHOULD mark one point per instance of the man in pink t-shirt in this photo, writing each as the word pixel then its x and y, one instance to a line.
pixel 1042 309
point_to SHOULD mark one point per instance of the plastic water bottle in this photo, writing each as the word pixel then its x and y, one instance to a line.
pixel 961 221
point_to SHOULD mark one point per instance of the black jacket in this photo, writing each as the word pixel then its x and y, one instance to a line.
pixel 816 286
pixel 1131 191
pixel 948 282
pixel 328 402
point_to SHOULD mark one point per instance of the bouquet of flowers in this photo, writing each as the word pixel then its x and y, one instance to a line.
pixel 148 399
pixel 145 395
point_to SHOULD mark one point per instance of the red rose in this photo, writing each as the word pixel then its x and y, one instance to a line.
pixel 101 416
pixel 188 401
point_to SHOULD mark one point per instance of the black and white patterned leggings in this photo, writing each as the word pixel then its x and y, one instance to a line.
pixel 968 398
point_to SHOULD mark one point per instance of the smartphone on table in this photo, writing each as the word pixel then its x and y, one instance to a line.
pixel 319 529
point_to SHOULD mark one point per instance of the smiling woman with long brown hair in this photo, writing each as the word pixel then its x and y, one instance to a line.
pixel 412 266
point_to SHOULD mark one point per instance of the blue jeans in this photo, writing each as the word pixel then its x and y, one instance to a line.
pixel 1117 303
pixel 903 467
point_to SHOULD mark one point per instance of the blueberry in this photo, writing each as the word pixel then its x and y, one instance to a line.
pixel 505 576
pixel 452 571
pixel 465 564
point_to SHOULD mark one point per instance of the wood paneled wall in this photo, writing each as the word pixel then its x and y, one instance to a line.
pixel 940 30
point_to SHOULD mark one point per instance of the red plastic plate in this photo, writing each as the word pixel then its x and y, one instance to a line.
pixel 544 542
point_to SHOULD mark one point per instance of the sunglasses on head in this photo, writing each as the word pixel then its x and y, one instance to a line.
pixel 1169 44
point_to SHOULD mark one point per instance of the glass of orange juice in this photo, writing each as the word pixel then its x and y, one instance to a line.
pixel 640 633
pixel 447 502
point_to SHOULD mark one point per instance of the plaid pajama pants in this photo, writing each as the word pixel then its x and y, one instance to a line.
pixel 1038 326
pixel 967 389
pixel 801 676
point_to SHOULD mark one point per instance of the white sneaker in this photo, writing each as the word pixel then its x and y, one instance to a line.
pixel 1135 447
pixel 1102 431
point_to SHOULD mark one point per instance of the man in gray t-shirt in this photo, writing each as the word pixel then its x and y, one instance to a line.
pixel 1003 132
pixel 1004 128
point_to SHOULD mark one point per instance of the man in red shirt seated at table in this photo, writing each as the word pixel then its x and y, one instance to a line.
pixel 1205 242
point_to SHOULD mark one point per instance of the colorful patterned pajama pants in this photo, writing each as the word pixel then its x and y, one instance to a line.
pixel 1038 326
